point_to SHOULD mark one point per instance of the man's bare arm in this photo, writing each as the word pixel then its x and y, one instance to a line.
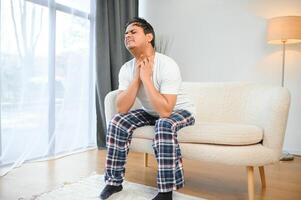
pixel 126 98
pixel 163 103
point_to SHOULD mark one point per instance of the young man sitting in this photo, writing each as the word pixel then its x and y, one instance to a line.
pixel 154 79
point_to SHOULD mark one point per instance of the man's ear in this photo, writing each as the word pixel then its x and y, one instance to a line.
pixel 149 37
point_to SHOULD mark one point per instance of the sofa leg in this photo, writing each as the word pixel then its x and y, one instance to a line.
pixel 250 170
pixel 262 176
pixel 145 159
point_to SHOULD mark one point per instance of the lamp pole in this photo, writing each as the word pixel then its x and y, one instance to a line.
pixel 286 156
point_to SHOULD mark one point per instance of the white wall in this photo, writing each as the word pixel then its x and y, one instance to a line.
pixel 225 40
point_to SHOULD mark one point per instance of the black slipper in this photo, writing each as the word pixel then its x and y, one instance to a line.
pixel 163 196
pixel 109 190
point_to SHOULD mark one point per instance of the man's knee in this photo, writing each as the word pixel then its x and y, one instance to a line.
pixel 118 119
pixel 164 124
pixel 122 122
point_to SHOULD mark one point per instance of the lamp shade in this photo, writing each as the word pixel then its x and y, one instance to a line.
pixel 284 29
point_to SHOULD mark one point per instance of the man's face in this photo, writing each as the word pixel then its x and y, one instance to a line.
pixel 134 37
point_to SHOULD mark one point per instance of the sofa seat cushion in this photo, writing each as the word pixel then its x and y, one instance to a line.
pixel 211 133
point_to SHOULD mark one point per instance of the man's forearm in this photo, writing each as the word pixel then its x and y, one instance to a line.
pixel 157 100
pixel 126 98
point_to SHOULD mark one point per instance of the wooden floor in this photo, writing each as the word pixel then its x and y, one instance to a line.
pixel 210 181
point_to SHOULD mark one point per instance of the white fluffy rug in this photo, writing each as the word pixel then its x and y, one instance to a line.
pixel 90 187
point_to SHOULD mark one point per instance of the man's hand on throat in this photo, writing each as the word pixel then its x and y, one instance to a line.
pixel 146 69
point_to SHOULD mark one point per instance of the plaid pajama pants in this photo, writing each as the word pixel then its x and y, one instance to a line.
pixel 166 148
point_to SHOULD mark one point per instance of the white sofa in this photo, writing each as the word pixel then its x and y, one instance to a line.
pixel 237 123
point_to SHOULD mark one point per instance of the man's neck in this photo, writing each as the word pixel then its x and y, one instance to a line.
pixel 147 52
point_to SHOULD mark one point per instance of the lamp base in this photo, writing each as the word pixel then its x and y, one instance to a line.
pixel 286 156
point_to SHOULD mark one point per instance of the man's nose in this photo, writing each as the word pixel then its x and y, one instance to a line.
pixel 128 36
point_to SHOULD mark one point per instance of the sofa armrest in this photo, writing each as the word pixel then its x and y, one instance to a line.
pixel 110 105
pixel 268 107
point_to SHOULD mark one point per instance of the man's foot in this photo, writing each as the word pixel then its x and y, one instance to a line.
pixel 163 196
pixel 109 190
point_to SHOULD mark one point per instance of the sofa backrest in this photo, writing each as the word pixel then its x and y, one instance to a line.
pixel 233 102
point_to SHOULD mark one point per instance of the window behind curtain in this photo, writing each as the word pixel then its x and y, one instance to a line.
pixel 47 94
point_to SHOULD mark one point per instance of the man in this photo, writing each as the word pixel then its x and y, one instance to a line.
pixel 155 80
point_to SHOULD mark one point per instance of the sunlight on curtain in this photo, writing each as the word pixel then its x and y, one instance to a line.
pixel 47 82
pixel 72 82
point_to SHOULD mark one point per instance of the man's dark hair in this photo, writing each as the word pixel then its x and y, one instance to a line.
pixel 147 28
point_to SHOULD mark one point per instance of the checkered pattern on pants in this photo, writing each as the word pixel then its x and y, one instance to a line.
pixel 165 144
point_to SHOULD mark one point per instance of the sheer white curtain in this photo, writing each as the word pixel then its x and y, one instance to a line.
pixel 47 79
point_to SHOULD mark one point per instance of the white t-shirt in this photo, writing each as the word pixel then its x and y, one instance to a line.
pixel 166 78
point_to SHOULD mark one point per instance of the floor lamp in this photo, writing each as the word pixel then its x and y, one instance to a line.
pixel 284 30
